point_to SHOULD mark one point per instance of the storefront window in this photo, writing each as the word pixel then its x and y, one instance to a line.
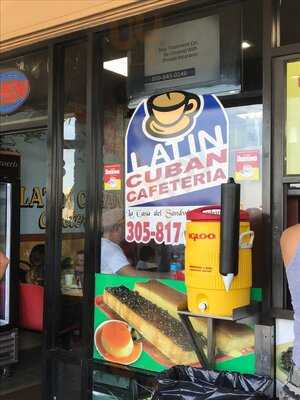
pixel 24 92
pixel 170 138
pixel 27 275
pixel 32 148
pixel 168 145
pixel 292 127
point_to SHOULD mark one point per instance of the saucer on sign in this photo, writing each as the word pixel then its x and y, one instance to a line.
pixel 114 341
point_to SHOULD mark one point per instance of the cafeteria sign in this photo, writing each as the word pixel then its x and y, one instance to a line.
pixel 176 152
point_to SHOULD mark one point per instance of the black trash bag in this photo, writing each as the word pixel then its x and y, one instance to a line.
pixel 187 383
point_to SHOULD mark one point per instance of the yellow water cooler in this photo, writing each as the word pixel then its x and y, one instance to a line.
pixel 206 293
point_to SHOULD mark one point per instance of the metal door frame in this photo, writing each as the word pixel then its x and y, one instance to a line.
pixel 280 181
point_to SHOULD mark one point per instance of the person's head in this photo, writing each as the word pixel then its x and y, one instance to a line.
pixel 79 261
pixel 113 225
pixel 147 253
pixel 37 255
pixel 67 263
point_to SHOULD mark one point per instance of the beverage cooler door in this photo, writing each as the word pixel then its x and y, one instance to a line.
pixel 5 247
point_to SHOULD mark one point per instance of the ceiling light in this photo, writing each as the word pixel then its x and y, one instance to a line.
pixel 246 44
pixel 118 66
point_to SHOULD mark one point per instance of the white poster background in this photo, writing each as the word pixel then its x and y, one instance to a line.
pixel 170 221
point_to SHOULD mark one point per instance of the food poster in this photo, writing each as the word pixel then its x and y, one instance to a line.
pixel 112 176
pixel 247 165
pixel 176 157
pixel 137 324
pixel 284 350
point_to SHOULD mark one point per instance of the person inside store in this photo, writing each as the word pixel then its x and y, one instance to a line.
pixel 113 259
pixel 147 259
pixel 79 268
pixel 67 271
pixel 70 322
pixel 290 249
pixel 37 264
pixel 4 261
pixel 130 250
pixel 24 268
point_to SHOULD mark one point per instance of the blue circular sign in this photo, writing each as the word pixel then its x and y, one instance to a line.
pixel 14 90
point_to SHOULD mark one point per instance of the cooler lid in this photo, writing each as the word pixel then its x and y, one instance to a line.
pixel 211 213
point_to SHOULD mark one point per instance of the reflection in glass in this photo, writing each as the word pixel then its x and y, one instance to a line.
pixel 74 198
pixel 292 133
pixel 69 128
pixel 245 146
pixel 5 219
pixel 32 147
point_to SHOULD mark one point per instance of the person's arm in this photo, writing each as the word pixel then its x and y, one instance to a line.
pixel 29 277
pixel 288 243
pixel 4 261
pixel 116 259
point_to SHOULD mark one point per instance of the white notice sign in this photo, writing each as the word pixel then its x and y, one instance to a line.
pixel 184 53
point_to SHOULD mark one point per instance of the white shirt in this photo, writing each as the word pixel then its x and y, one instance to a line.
pixel 112 257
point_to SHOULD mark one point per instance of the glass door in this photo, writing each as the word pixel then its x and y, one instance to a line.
pixel 65 270
pixel 5 235
pixel 285 168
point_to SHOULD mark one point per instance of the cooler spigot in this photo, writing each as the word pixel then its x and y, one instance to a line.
pixel 203 306
pixel 227 279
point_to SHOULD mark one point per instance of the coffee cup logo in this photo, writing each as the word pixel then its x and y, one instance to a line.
pixel 171 113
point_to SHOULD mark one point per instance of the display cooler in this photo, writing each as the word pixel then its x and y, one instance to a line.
pixel 9 244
